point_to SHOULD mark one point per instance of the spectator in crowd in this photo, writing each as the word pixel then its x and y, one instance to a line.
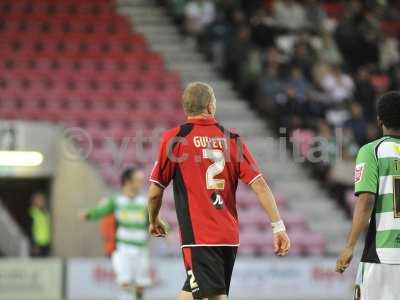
pixel 299 86
pixel 365 93
pixel 298 65
pixel 357 123
pixel 338 85
pixel 314 15
pixel 395 79
pixel 40 232
pixel 271 87
pixel 263 28
pixel 198 15
pixel 238 56
pixel 389 52
pixel 328 53
pixel 289 15
pixel 303 57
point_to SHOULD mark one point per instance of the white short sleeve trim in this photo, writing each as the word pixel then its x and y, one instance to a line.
pixel 251 181
pixel 157 182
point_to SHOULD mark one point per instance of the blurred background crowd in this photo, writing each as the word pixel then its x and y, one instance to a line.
pixel 311 67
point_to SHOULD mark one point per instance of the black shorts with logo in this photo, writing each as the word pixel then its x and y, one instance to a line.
pixel 209 270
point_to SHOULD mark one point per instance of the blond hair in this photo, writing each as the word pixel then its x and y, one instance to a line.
pixel 196 97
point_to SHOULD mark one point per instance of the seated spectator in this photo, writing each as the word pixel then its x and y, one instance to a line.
pixel 303 57
pixel 315 15
pixel 328 53
pixel 338 85
pixel 364 93
pixel 300 86
pixel 388 52
pixel 289 15
pixel 357 123
pixel 263 28
pixel 198 15
pixel 395 79
pixel 177 8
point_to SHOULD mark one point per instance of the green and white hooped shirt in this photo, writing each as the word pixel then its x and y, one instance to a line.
pixel 377 171
pixel 132 219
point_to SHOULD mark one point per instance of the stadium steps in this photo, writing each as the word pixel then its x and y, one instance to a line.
pixel 287 178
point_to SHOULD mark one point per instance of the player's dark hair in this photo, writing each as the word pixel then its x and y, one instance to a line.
pixel 127 175
pixel 388 109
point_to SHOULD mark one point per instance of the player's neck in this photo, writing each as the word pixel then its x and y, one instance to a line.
pixel 128 193
pixel 201 116
pixel 391 132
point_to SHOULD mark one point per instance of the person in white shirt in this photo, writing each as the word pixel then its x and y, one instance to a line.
pixel 199 14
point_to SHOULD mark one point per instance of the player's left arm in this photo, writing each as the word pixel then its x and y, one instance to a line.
pixel 250 174
pixel 267 201
pixel 365 185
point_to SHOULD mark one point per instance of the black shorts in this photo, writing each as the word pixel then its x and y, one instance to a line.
pixel 209 270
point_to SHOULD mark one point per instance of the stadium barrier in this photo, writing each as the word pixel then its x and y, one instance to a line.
pixel 253 278
pixel 40 279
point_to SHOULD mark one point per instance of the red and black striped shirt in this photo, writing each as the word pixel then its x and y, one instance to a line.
pixel 205 163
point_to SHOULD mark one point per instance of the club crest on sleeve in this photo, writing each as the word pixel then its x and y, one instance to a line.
pixel 358 172
pixel 396 149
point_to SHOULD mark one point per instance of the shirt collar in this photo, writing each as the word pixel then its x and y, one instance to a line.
pixel 202 121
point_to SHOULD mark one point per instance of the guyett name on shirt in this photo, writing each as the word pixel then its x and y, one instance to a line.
pixel 209 142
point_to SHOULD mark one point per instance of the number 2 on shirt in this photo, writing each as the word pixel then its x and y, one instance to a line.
pixel 217 156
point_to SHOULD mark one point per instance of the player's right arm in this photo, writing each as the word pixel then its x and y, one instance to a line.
pixel 105 207
pixel 365 184
pixel 157 227
pixel 160 177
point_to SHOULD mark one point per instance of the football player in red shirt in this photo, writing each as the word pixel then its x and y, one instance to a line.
pixel 205 162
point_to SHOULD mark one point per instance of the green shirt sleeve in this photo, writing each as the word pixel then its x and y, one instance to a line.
pixel 366 171
pixel 105 207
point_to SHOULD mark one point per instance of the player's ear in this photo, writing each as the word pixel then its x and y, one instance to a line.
pixel 211 108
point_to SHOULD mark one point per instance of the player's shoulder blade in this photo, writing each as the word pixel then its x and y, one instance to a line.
pixel 372 147
pixel 178 131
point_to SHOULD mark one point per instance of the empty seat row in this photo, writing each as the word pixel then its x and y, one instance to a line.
pixel 133 125
pixel 132 61
pixel 64 25
pixel 73 56
pixel 135 77
pixel 89 85
pixel 89 105
pixel 151 119
pixel 145 95
pixel 71 46
pixel 76 38
pixel 52 8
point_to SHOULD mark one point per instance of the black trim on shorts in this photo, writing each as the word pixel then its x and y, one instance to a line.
pixel 212 268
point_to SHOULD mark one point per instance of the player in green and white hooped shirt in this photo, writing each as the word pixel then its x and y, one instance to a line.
pixel 131 257
pixel 377 185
